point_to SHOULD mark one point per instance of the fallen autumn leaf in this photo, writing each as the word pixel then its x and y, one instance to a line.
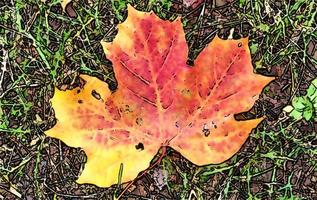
pixel 160 101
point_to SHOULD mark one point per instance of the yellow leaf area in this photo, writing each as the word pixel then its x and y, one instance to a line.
pixel 160 101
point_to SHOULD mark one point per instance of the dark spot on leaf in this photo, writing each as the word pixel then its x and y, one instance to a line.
pixel 95 94
pixel 80 101
pixel 139 146
pixel 127 109
pixel 177 124
pixel 139 121
pixel 206 130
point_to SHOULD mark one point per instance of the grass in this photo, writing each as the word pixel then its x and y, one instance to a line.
pixel 36 56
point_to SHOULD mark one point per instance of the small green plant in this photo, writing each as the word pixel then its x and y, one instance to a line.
pixel 304 107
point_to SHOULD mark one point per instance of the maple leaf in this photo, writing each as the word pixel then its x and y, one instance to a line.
pixel 160 101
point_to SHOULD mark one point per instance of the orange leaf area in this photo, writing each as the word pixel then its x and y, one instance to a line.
pixel 160 101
